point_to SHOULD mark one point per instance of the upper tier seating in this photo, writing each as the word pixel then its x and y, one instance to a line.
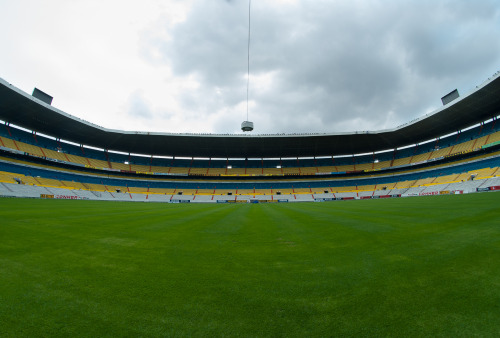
pixel 96 163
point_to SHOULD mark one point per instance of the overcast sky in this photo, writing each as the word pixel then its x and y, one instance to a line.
pixel 315 66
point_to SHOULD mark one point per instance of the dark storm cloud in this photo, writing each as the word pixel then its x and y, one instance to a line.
pixel 336 66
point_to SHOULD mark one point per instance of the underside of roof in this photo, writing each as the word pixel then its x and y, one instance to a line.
pixel 21 109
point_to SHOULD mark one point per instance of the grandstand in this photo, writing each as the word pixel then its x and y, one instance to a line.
pixel 47 153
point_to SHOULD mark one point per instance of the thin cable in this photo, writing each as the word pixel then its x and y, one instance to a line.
pixel 248 57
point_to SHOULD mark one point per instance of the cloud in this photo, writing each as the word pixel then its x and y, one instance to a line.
pixel 331 66
pixel 315 66
pixel 138 106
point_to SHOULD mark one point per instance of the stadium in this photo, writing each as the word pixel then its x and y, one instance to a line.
pixel 354 209
pixel 51 154
pixel 382 264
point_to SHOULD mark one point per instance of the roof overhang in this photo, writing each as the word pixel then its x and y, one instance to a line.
pixel 20 108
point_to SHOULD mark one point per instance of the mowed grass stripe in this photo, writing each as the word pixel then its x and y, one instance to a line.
pixel 421 266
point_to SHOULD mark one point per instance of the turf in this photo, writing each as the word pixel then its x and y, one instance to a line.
pixel 427 266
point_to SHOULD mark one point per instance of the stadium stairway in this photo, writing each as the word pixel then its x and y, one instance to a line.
pixel 5 187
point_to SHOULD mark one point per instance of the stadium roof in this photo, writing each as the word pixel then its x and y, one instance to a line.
pixel 21 109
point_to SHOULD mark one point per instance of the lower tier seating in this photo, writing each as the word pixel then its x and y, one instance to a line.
pixel 32 181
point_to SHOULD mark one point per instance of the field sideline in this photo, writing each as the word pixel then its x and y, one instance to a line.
pixel 427 266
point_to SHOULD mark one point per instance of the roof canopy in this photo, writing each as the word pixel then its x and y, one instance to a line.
pixel 22 109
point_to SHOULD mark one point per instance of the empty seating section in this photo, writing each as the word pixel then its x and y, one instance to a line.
pixel 13 138
pixel 401 161
pixel 162 191
pixel 17 184
pixel 420 158
pixel 381 165
pixel 327 169
pixel 120 166
pixel 78 159
pixel 272 171
pixel 485 173
pixel 177 170
pixel 289 170
pixel 28 148
pixel 87 161
pixel 55 155
pixel 197 171
pixel 7 177
pixel 165 170
pixel 492 138
pixel 308 170
pixel 8 143
pixel 364 166
pixel 138 189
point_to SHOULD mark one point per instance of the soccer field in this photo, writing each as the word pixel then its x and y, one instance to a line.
pixel 427 266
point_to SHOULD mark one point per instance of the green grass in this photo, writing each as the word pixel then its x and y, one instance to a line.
pixel 427 266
